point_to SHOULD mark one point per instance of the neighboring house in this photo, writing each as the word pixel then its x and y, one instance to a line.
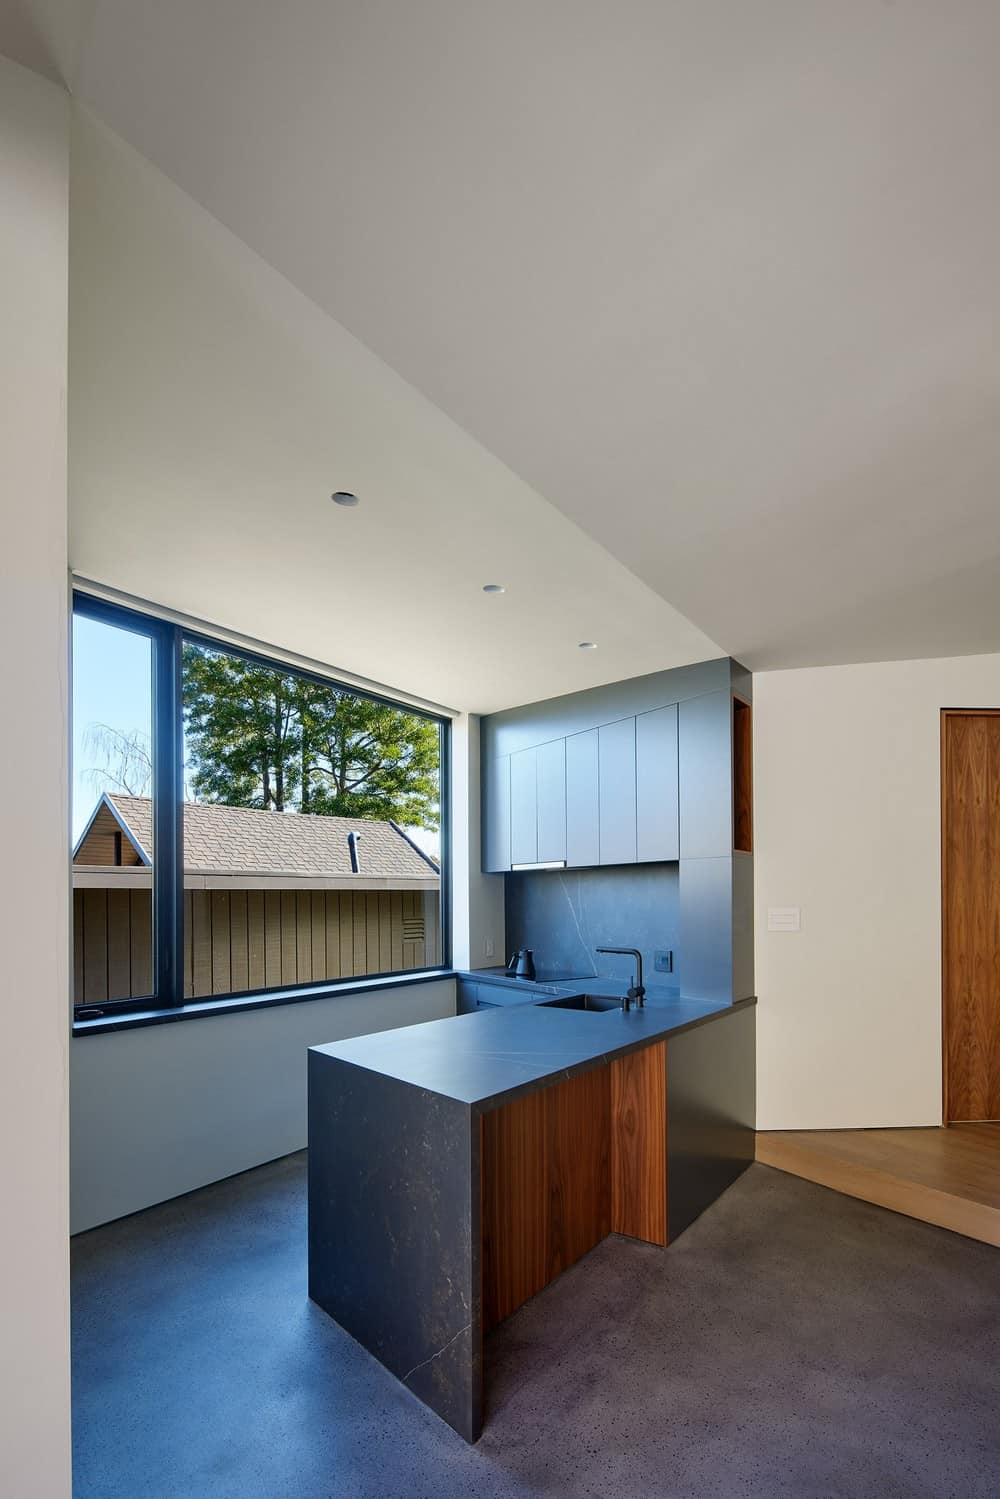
pixel 270 899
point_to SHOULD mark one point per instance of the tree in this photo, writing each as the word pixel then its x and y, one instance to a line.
pixel 261 737
pixel 126 760
pixel 243 736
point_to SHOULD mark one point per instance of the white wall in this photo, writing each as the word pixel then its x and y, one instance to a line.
pixel 34 894
pixel 478 899
pixel 164 1109
pixel 847 826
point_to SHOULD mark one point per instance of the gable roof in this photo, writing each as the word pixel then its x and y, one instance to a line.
pixel 244 840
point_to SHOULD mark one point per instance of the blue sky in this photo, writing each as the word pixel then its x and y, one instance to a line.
pixel 112 685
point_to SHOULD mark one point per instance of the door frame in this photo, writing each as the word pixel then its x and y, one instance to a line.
pixel 946 714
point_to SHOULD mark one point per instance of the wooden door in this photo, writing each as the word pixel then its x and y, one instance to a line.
pixel 970 813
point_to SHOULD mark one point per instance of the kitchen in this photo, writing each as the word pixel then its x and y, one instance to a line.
pixel 458 1166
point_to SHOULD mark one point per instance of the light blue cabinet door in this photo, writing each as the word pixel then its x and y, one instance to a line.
pixel 496 815
pixel 524 807
pixel 583 839
pixel 704 736
pixel 551 790
pixel 616 777
pixel 656 785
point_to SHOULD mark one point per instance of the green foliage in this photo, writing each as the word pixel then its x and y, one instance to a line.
pixel 259 737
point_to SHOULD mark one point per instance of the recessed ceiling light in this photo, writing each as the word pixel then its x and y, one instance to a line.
pixel 494 588
pixel 343 498
pixel 588 645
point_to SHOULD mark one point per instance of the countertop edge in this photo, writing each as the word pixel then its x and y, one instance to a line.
pixel 496 1100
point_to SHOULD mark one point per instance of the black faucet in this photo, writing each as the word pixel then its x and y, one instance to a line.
pixel 637 991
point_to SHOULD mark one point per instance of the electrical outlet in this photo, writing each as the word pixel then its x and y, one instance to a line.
pixel 663 961
pixel 490 948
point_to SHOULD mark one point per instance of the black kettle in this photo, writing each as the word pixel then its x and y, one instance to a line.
pixel 522 964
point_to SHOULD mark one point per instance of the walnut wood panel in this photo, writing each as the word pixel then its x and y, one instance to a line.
pixel 742 776
pixel 639 1144
pixel 578 1129
pixel 546 1188
pixel 971 914
pixel 949 1177
pixel 515 1200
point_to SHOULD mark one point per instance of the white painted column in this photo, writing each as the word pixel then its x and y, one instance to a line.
pixel 34 821
pixel 477 899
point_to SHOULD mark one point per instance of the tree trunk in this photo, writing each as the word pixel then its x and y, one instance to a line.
pixel 279 758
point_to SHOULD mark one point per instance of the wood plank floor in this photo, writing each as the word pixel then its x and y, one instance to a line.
pixel 950 1177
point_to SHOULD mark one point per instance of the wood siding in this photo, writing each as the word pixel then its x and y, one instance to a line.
pixel 239 940
pixel 106 845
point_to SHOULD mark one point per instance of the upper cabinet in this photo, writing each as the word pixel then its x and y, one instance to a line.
pixel 704 730
pixel 656 791
pixel 524 807
pixel 583 840
pixel 616 791
pixel 649 785
pixel 538 805
pixel 606 796
pixel 551 797
pixel 496 814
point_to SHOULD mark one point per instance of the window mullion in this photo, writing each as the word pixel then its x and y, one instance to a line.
pixel 168 840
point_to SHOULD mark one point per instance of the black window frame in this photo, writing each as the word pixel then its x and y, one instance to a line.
pixel 168 999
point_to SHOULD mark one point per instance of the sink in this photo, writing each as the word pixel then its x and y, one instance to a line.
pixel 598 1004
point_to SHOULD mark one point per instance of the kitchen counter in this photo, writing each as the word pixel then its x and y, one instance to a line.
pixel 488 1058
pixel 457 1166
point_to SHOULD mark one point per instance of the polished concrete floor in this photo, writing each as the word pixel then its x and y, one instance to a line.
pixel 793 1342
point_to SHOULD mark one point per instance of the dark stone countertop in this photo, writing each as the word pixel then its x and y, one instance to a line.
pixel 491 1056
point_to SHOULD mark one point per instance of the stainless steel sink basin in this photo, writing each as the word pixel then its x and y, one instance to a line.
pixel 598 1004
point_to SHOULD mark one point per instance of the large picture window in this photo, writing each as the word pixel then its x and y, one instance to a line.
pixel 241 827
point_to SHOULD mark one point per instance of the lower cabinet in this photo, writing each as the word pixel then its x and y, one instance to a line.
pixel 473 996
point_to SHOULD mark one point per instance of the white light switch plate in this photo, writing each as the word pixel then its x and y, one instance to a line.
pixel 490 948
pixel 784 918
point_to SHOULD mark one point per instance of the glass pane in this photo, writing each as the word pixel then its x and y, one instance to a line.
pixel 112 813
pixel 311 842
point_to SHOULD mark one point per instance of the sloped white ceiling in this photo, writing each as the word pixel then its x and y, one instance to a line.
pixel 718 280
pixel 213 410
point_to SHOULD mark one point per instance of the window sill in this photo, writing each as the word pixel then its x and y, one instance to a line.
pixel 135 1019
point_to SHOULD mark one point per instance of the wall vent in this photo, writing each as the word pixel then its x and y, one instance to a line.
pixel 413 929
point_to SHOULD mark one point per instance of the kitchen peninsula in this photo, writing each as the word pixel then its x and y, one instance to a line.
pixel 458 1166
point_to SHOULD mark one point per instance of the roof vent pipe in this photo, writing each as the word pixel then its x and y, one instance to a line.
pixel 352 844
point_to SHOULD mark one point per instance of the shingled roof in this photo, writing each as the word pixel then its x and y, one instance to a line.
pixel 245 841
